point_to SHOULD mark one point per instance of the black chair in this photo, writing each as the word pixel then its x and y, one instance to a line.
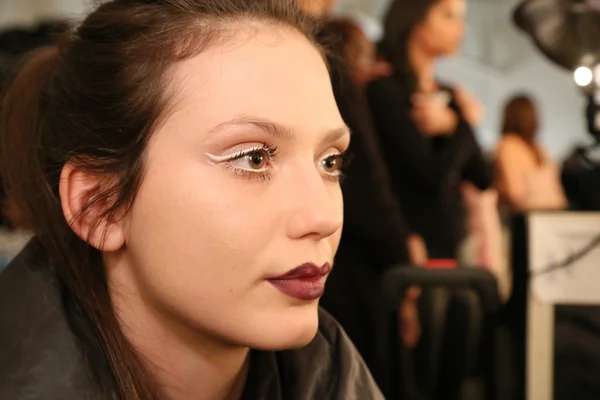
pixel 514 314
pixel 418 372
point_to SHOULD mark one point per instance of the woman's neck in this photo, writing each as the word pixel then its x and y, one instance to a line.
pixel 423 65
pixel 183 362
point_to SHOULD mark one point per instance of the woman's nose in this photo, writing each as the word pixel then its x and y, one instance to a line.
pixel 316 208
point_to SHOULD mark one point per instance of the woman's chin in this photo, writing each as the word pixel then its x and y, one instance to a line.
pixel 294 328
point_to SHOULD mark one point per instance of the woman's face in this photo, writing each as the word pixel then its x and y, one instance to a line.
pixel 241 186
pixel 443 29
pixel 317 7
pixel 360 56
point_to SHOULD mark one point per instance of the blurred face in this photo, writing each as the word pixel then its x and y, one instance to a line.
pixel 360 56
pixel 239 216
pixel 442 31
pixel 317 8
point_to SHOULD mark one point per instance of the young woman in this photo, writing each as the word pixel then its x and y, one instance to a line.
pixel 375 235
pixel 186 202
pixel 527 178
pixel 425 127
pixel 426 134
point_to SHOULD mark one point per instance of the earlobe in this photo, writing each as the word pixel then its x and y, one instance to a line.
pixel 77 189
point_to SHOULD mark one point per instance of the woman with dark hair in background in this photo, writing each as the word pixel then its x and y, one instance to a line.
pixel 426 134
pixel 358 52
pixel 426 128
pixel 527 178
pixel 375 235
pixel 185 198
pixel 15 43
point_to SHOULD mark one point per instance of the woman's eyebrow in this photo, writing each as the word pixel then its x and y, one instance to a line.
pixel 336 134
pixel 271 128
pixel 277 130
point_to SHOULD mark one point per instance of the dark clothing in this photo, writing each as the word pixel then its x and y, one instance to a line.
pixel 426 172
pixel 371 211
pixel 577 353
pixel 372 215
pixel 41 358
pixel 373 239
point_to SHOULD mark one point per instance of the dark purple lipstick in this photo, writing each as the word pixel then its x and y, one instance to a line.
pixel 305 282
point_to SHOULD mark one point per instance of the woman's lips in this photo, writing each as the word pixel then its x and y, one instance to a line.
pixel 306 282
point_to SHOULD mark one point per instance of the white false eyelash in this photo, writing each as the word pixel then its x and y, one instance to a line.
pixel 220 159
pixel 337 173
pixel 326 156
pixel 216 160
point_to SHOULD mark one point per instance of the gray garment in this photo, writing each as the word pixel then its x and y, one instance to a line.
pixel 40 358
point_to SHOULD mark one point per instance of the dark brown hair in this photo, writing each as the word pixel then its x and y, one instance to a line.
pixel 401 19
pixel 339 33
pixel 342 31
pixel 520 118
pixel 94 101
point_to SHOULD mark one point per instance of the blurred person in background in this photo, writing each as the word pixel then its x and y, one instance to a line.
pixel 317 8
pixel 426 133
pixel 425 127
pixel 15 43
pixel 358 52
pixel 485 245
pixel 375 235
pixel 526 177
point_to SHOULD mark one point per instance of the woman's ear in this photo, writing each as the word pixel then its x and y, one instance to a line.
pixel 77 189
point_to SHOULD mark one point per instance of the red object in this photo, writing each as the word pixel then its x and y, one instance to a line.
pixel 441 263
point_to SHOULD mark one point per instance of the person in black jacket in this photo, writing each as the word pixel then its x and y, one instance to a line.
pixel 185 199
pixel 426 134
pixel 375 235
pixel 426 129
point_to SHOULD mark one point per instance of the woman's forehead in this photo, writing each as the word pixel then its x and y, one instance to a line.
pixel 273 74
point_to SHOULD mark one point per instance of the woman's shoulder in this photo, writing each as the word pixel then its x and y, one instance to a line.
pixel 389 84
pixel 512 139
pixel 40 358
pixel 388 90
pixel 329 367
pixel 341 372
pixel 512 142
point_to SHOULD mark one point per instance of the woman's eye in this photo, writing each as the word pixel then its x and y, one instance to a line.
pixel 256 160
pixel 332 164
pixel 251 163
pixel 253 160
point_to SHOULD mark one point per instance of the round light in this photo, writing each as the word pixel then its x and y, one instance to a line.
pixel 597 75
pixel 583 76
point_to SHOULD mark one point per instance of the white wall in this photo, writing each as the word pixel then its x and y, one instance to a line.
pixel 25 12
pixel 515 65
